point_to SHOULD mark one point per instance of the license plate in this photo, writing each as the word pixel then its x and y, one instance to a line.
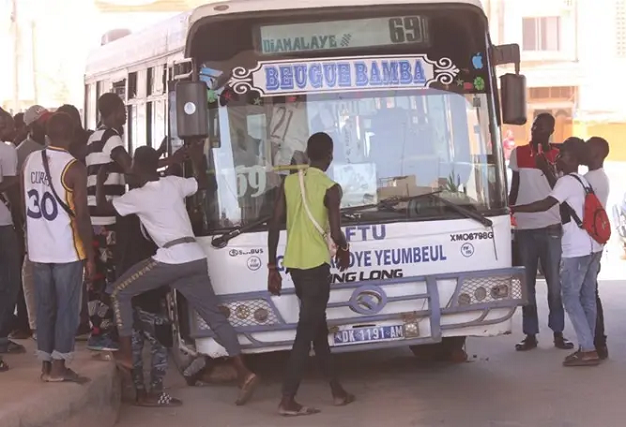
pixel 360 335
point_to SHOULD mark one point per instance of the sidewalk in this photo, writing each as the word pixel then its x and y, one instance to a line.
pixel 25 401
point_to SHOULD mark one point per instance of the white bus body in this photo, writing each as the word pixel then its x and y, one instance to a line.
pixel 421 272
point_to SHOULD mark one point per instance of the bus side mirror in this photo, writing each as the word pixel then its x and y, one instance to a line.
pixel 513 99
pixel 192 114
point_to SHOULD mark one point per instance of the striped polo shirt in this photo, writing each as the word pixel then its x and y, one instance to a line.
pixel 533 186
pixel 100 145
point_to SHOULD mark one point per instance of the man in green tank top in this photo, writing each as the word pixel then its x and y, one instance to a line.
pixel 307 260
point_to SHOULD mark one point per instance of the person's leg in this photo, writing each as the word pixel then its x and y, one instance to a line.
pixel 68 282
pixel 573 272
pixel 137 372
pixel 600 332
pixel 29 294
pixel 589 292
pixel 529 255
pixel 195 285
pixel 9 287
pixel 549 244
pixel 46 308
pixel 100 313
pixel 320 341
pixel 21 328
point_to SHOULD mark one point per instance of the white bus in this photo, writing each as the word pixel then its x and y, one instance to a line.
pixel 408 91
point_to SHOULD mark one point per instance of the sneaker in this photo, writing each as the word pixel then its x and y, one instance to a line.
pixel 102 343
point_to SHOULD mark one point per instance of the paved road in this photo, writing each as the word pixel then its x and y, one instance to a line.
pixel 498 388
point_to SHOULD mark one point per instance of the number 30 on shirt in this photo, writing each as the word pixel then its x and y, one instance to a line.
pixel 42 206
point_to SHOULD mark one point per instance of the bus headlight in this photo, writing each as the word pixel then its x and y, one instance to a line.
pixel 465 299
pixel 225 310
pixel 500 291
pixel 242 311
pixel 480 293
pixel 411 330
pixel 261 315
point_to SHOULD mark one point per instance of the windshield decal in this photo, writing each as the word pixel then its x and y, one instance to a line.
pixel 347 74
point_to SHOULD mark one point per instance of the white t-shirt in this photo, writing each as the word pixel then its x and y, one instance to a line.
pixel 8 167
pixel 160 205
pixel 576 241
pixel 533 186
pixel 599 181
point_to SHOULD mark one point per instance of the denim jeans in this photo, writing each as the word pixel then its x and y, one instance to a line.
pixel 9 280
pixel 543 245
pixel 313 290
pixel 578 282
pixel 58 296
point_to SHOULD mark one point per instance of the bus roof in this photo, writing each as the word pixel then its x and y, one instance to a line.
pixel 170 37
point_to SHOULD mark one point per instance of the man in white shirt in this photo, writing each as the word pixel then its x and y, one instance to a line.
pixel 9 247
pixel 538 234
pixel 180 261
pixel 581 253
pixel 598 150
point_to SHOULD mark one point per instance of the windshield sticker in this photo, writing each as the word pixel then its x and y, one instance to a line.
pixel 327 75
pixel 477 61
pixel 479 83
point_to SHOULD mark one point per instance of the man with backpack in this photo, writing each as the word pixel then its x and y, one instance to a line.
pixel 584 235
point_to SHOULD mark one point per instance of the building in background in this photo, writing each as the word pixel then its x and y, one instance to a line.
pixel 572 51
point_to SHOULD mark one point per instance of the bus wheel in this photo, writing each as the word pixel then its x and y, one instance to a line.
pixel 450 349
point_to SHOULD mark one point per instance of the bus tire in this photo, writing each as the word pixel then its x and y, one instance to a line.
pixel 450 349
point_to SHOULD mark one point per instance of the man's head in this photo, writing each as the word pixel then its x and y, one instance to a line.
pixel 112 110
pixel 7 126
pixel 73 112
pixel 35 121
pixel 145 162
pixel 319 150
pixel 571 155
pixel 60 130
pixel 542 128
pixel 597 151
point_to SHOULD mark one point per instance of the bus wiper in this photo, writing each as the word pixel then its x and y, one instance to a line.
pixel 386 204
pixel 221 241
pixel 476 216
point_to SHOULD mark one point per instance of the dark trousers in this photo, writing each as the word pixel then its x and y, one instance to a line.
pixel 313 290
pixel 600 337
pixel 9 280
pixel 100 312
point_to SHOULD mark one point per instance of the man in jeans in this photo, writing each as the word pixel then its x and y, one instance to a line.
pixel 581 253
pixel 59 237
pixel 9 247
pixel 307 260
pixel 538 234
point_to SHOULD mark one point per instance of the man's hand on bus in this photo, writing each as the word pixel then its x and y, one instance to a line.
pixel 274 280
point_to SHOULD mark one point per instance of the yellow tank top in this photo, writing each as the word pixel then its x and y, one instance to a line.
pixel 306 247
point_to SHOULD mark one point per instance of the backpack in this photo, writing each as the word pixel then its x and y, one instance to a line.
pixel 595 219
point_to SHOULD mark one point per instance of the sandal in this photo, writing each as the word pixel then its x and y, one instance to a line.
pixel 68 376
pixel 12 348
pixel 303 411
pixel 162 400
pixel 563 343
pixel 528 343
pixel 3 366
pixel 344 400
pixel 579 358
pixel 247 389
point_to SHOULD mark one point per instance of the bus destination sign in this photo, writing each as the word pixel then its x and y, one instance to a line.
pixel 348 34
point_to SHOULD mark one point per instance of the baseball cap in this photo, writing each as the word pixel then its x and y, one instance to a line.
pixel 33 114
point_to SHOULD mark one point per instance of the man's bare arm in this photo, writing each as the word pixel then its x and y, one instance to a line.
pixel 514 188
pixel 8 182
pixel 273 235
pixel 538 206
pixel 122 158
pixel 333 203
pixel 76 179
pixel 198 162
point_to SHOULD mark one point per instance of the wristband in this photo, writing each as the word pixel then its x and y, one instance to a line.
pixel 346 249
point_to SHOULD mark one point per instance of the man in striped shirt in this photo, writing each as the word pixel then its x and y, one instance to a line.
pixel 105 148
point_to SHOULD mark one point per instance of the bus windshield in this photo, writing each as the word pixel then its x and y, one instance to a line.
pixel 410 111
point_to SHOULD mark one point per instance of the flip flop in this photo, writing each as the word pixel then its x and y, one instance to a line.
pixel 302 412
pixel 3 366
pixel 247 389
pixel 343 401
pixel 69 376
pixel 164 400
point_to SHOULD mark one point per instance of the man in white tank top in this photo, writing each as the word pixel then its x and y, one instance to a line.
pixel 59 236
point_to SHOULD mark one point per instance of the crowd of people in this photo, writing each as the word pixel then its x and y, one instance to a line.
pixel 68 224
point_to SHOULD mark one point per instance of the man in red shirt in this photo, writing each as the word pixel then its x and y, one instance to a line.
pixel 538 234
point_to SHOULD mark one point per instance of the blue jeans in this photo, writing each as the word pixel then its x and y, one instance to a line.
pixel 579 285
pixel 58 291
pixel 543 245
pixel 9 280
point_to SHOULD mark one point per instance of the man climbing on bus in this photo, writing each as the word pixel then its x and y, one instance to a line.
pixel 310 200
pixel 180 261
